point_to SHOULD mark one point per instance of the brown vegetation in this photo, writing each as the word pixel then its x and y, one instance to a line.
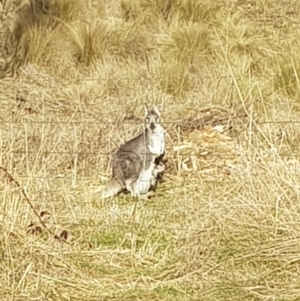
pixel 74 78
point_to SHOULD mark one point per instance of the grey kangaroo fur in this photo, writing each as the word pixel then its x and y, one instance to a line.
pixel 138 162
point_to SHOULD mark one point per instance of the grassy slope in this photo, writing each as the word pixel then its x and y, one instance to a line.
pixel 224 225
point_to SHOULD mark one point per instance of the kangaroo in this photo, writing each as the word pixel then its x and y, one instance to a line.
pixel 138 162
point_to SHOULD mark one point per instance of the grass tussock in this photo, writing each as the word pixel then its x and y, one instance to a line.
pixel 87 41
pixel 157 8
pixel 223 225
pixel 173 78
pixel 189 44
pixel 34 22
pixel 287 79
pixel 128 41
pixel 166 11
pixel 198 11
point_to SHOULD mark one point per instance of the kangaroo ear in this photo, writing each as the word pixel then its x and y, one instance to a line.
pixel 157 108
pixel 146 109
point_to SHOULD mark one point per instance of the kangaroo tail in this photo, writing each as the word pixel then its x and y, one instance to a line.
pixel 111 189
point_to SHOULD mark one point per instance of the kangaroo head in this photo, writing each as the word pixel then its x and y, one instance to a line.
pixel 152 119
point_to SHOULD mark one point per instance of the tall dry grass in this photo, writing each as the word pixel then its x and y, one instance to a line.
pixel 224 223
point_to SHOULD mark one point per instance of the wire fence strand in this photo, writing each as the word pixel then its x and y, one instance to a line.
pixel 95 122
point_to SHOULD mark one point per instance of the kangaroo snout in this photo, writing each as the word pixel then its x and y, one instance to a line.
pixel 152 126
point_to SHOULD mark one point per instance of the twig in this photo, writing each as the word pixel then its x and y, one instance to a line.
pixel 12 179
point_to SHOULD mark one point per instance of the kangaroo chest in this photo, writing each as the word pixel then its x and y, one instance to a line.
pixel 157 142
pixel 156 147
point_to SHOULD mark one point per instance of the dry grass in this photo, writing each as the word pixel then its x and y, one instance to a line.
pixel 224 223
